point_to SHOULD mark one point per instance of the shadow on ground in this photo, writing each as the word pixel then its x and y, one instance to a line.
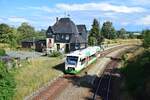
pixel 87 82
pixel 60 67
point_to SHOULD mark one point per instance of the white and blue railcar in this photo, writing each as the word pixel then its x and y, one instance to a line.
pixel 78 60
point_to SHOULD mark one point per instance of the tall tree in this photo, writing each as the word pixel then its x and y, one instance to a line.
pixel 92 40
pixel 146 37
pixel 25 31
pixel 95 37
pixel 5 33
pixel 121 33
pixel 108 31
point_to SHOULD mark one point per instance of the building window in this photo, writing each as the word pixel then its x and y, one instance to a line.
pixel 49 33
pixel 67 37
pixel 77 46
pixel 62 36
pixel 80 33
pixel 57 37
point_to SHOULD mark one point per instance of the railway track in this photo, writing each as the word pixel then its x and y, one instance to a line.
pixel 103 84
pixel 58 85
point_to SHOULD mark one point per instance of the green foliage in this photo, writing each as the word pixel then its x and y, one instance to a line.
pixel 136 73
pixel 55 54
pixel 25 31
pixel 108 31
pixel 7 83
pixel 5 33
pixel 95 37
pixel 146 37
pixel 2 52
pixel 8 35
pixel 14 36
pixel 121 33
pixel 92 40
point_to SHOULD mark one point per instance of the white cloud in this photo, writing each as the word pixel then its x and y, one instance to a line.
pixel 1 20
pixel 40 8
pixel 125 23
pixel 144 20
pixel 43 8
pixel 17 19
pixel 100 7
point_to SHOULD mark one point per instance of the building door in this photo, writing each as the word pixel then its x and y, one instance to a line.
pixel 67 48
pixel 58 47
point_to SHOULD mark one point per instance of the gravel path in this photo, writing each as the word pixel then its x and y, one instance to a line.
pixel 74 92
pixel 23 54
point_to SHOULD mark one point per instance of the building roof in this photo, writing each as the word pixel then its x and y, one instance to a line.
pixel 49 32
pixel 81 28
pixel 64 25
pixel 76 38
pixel 83 31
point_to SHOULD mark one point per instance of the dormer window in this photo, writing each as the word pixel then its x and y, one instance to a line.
pixel 57 37
pixel 62 36
pixel 67 37
pixel 49 33
pixel 80 33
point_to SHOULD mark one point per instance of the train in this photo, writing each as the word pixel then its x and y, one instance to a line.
pixel 80 59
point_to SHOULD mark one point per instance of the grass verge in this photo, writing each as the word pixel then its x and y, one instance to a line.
pixel 34 74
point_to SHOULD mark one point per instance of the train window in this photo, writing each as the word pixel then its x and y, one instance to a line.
pixel 92 56
pixel 72 60
pixel 83 61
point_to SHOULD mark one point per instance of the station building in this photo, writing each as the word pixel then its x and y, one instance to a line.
pixel 65 36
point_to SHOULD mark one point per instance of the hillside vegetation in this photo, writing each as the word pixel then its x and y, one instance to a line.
pixel 137 73
pixel 137 76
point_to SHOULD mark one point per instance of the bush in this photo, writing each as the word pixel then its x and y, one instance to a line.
pixel 2 52
pixel 55 54
pixel 136 73
pixel 7 83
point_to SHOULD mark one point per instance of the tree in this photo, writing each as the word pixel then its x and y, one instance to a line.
pixel 146 37
pixel 25 31
pixel 92 40
pixel 108 31
pixel 121 33
pixel 7 83
pixel 95 37
pixel 5 33
pixel 40 34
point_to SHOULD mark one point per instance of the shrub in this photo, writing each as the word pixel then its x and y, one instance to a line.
pixel 136 73
pixel 55 54
pixel 7 83
pixel 2 52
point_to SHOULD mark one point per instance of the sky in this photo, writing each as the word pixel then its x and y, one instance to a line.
pixel 133 15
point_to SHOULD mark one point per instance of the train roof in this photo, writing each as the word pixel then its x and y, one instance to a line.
pixel 85 52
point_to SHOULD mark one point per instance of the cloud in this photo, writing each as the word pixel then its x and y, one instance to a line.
pixel 100 7
pixel 1 20
pixel 44 8
pixel 17 19
pixel 40 8
pixel 144 20
pixel 125 23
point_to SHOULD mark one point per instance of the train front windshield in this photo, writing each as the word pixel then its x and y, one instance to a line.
pixel 72 60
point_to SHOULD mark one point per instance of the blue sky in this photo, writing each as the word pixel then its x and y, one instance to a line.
pixel 133 15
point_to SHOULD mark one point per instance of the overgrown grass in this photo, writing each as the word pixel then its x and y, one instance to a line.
pixel 137 76
pixel 122 41
pixel 32 76
pixel 2 52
